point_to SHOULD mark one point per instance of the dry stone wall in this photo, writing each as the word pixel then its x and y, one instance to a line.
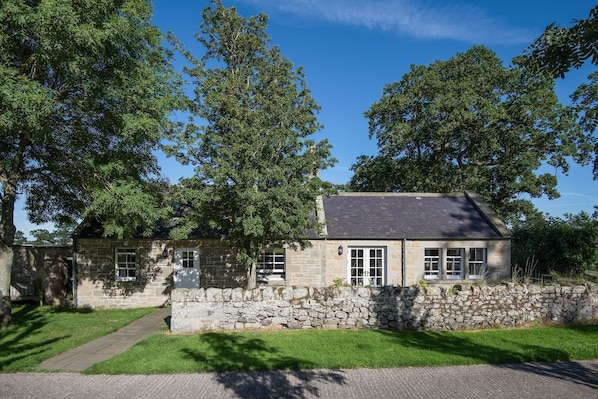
pixel 411 308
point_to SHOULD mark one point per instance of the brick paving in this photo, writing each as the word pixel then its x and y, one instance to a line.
pixel 533 381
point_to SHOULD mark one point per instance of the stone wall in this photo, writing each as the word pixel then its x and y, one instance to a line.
pixel 41 273
pixel 97 286
pixel 434 308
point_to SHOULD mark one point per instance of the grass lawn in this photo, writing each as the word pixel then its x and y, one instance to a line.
pixel 330 349
pixel 38 333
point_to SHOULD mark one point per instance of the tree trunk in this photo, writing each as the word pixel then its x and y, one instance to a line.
pixel 251 276
pixel 6 258
pixel 7 237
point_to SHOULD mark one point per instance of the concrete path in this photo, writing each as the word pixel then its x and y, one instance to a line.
pixel 84 356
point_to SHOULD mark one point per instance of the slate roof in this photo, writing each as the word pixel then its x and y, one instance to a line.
pixel 382 216
pixel 411 216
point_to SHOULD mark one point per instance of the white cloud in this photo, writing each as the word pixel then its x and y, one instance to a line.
pixel 415 18
pixel 581 196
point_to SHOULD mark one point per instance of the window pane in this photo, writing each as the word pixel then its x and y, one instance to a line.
pixel 432 263
pixel 477 263
pixel 271 264
pixel 366 266
pixel 454 262
pixel 125 264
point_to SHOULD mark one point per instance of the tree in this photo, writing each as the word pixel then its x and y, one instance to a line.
pixel 20 238
pixel 585 102
pixel 567 246
pixel 559 49
pixel 469 124
pixel 256 178
pixel 60 236
pixel 86 89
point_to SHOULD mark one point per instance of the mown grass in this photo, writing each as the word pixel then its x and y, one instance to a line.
pixel 332 349
pixel 38 333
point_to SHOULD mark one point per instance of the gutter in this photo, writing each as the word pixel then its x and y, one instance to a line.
pixel 404 264
pixel 74 284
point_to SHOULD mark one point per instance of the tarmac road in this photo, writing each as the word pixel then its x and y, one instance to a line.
pixel 571 380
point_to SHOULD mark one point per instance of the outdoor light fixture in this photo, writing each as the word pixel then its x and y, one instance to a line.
pixel 340 249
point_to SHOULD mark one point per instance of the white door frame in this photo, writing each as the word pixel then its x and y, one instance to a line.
pixel 365 265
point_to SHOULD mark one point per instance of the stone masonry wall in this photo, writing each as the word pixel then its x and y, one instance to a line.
pixel 40 273
pixel 434 308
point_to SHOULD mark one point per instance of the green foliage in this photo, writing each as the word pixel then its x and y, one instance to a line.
pixel 20 237
pixel 557 51
pixel 86 89
pixel 423 284
pixel 256 177
pixel 585 103
pixel 338 282
pixel 566 246
pixel 469 123
pixel 60 236
pixel 560 49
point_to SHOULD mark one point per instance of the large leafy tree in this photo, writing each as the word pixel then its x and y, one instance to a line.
pixel 469 123
pixel 256 177
pixel 86 89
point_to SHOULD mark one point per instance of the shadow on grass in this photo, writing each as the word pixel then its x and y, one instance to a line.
pixel 27 321
pixel 271 376
pixel 541 360
pixel 472 351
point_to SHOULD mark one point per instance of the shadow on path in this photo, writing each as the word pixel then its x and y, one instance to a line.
pixel 229 352
pixel 568 371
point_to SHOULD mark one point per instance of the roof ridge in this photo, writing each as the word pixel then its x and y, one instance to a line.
pixel 400 194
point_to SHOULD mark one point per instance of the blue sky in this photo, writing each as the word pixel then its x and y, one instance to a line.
pixel 350 49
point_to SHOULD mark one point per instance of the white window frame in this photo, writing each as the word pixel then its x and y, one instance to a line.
pixel 370 262
pixel 271 265
pixel 476 263
pixel 454 264
pixel 431 273
pixel 125 259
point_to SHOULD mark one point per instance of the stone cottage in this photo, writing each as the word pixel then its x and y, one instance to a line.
pixel 370 239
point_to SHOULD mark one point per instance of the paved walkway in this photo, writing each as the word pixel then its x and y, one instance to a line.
pixel 531 380
pixel 568 380
pixel 84 356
